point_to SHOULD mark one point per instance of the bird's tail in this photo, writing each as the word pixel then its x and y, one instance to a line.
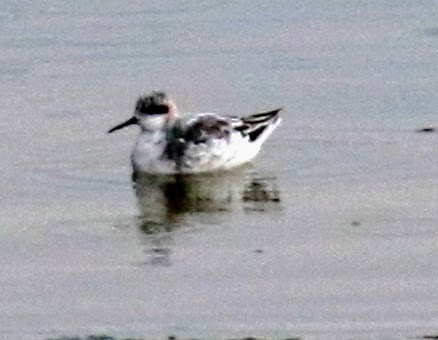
pixel 259 125
pixel 262 117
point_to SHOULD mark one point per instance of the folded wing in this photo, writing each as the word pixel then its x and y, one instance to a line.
pixel 254 125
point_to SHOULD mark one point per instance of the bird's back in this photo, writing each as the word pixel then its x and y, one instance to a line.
pixel 209 142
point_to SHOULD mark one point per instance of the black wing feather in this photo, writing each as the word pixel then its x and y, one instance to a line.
pixel 254 125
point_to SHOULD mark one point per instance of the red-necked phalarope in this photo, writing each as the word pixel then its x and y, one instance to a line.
pixel 205 142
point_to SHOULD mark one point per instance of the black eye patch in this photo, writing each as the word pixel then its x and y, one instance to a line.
pixel 152 108
pixel 157 109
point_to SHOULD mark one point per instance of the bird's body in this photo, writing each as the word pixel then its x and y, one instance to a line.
pixel 205 142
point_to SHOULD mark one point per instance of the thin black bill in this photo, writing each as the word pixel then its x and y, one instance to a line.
pixel 131 121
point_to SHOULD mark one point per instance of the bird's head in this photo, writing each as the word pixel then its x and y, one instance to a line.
pixel 153 112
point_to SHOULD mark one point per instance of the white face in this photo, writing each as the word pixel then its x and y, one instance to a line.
pixel 153 122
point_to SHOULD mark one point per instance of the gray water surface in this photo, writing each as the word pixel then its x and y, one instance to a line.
pixel 332 232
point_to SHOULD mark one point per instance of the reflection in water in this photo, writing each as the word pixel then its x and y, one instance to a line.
pixel 259 192
pixel 170 201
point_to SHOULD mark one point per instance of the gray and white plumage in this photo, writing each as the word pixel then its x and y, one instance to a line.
pixel 170 143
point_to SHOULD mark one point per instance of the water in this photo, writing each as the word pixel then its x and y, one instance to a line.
pixel 330 233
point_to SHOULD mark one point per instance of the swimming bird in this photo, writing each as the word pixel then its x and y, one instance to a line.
pixel 170 143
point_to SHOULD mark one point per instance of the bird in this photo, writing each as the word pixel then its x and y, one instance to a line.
pixel 174 143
